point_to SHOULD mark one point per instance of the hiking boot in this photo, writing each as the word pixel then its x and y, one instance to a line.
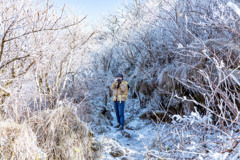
pixel 120 129
pixel 117 126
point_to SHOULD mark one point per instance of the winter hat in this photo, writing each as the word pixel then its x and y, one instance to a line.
pixel 119 75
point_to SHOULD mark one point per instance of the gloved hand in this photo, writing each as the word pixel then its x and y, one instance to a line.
pixel 119 81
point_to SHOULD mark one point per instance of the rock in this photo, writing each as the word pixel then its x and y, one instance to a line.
pixel 116 152
pixel 145 115
pixel 111 124
pixel 129 128
pixel 102 119
pixel 107 113
pixel 96 146
pixel 156 116
pixel 135 125
pixel 126 134
pixel 102 129
pixel 129 120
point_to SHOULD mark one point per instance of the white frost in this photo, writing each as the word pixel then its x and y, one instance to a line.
pixel 234 7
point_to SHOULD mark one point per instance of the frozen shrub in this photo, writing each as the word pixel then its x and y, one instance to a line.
pixel 18 142
pixel 62 135
pixel 195 137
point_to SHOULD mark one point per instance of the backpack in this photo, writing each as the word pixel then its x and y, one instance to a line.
pixel 125 94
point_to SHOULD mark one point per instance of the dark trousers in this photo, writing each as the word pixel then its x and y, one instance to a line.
pixel 119 109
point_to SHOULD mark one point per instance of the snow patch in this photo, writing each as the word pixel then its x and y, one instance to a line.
pixel 234 7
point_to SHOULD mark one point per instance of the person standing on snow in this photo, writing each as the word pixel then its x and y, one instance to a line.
pixel 120 94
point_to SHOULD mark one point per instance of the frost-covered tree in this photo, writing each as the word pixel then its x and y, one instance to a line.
pixel 41 51
pixel 182 57
pixel 163 46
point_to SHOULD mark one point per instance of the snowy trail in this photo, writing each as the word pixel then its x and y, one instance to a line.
pixel 142 134
pixel 133 147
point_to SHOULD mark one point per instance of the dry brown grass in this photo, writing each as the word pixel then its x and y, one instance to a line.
pixel 51 134
pixel 18 141
pixel 62 135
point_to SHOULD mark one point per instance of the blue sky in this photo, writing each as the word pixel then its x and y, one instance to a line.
pixel 95 9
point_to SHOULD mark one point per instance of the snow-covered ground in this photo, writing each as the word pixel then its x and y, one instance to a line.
pixel 133 147
pixel 132 143
pixel 144 139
